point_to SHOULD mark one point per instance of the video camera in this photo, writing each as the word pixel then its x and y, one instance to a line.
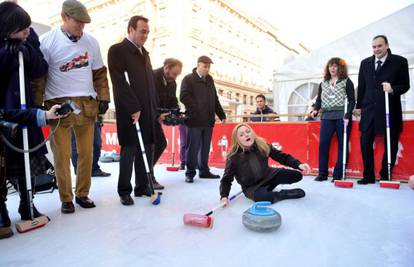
pixel 8 129
pixel 175 116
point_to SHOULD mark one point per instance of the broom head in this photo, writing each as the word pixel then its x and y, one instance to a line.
pixel 198 220
pixel 390 184
pixel 172 168
pixel 344 184
pixel 27 226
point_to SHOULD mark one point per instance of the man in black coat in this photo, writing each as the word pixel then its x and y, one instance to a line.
pixel 383 73
pixel 199 96
pixel 166 87
pixel 135 102
pixel 263 109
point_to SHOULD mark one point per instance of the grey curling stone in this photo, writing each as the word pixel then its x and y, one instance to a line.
pixel 260 218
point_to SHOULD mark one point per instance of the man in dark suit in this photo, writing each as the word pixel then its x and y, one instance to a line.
pixel 135 102
pixel 166 87
pixel 199 96
pixel 383 73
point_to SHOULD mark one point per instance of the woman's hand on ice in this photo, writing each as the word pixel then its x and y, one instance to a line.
pixel 305 167
pixel 225 201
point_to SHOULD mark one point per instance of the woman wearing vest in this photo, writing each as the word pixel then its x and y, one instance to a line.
pixel 333 92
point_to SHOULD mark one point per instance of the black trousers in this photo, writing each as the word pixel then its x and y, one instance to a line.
pixel 132 156
pixel 160 143
pixel 198 150
pixel 284 176
pixel 367 142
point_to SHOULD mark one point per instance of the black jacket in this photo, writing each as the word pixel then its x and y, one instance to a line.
pixel 371 99
pixel 166 91
pixel 265 111
pixel 199 96
pixel 136 95
pixel 251 169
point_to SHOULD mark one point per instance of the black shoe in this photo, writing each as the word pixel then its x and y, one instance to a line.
pixel 182 166
pixel 126 200
pixel 189 179
pixel 156 185
pixel 335 178
pixel 142 191
pixel 67 207
pixel 4 216
pixel 100 173
pixel 321 178
pixel 25 212
pixel 289 194
pixel 209 175
pixel 85 202
pixel 366 181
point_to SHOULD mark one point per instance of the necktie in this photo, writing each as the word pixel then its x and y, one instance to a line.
pixel 379 63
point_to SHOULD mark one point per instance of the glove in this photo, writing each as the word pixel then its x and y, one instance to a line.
pixel 12 45
pixel 103 107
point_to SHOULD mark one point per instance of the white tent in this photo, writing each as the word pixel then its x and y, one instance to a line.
pixel 296 83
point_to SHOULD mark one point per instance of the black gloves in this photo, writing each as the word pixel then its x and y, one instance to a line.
pixel 103 107
pixel 12 45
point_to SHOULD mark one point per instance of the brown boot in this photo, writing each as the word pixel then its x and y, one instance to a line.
pixel 156 185
pixel 5 232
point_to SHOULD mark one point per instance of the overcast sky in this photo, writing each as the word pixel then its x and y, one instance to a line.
pixel 318 22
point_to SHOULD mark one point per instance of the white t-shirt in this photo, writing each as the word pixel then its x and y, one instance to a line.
pixel 70 64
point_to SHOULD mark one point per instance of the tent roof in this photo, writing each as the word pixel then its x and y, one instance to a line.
pixel 354 47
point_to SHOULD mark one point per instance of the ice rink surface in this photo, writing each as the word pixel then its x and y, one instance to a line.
pixel 363 226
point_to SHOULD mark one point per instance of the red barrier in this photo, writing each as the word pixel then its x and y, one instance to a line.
pixel 300 139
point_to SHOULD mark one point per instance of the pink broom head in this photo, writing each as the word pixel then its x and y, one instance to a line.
pixel 172 168
pixel 390 184
pixel 198 220
pixel 344 184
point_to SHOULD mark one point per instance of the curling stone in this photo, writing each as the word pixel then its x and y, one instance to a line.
pixel 260 218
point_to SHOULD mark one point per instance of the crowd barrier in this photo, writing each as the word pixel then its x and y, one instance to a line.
pixel 300 139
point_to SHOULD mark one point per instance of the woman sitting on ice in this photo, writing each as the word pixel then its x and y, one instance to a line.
pixel 248 163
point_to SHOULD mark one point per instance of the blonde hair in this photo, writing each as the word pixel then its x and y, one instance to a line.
pixel 235 144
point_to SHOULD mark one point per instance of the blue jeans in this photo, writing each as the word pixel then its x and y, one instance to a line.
pixel 97 144
pixel 328 128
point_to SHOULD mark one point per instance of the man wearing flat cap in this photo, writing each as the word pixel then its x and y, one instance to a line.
pixel 199 95
pixel 76 73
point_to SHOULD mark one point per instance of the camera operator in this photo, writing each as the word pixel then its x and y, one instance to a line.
pixel 166 87
pixel 34 117
pixel 16 35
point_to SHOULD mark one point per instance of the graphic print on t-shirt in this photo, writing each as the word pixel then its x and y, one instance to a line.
pixel 76 63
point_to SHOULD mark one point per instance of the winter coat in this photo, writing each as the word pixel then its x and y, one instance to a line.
pixel 251 169
pixel 166 91
pixel 137 94
pixel 371 98
pixel 200 99
pixel 34 67
pixel 265 111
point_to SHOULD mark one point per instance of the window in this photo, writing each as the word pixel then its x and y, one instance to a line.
pixel 244 99
pixel 251 100
pixel 221 92
pixel 229 95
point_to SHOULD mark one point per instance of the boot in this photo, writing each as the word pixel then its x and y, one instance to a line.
pixel 289 194
pixel 24 211
pixel 5 230
pixel 156 185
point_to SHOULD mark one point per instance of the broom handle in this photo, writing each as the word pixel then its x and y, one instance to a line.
pixel 141 144
pixel 173 144
pixel 222 204
pixel 344 141
pixel 387 121
pixel 25 136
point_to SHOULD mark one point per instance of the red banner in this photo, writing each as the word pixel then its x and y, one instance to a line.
pixel 300 139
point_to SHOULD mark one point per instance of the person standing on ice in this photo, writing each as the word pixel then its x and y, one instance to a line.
pixel 332 93
pixel 248 163
pixel 380 73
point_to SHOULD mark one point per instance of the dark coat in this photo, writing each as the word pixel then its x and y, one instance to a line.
pixel 35 67
pixel 251 169
pixel 24 117
pixel 166 91
pixel 136 95
pixel 265 111
pixel 371 99
pixel 201 102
